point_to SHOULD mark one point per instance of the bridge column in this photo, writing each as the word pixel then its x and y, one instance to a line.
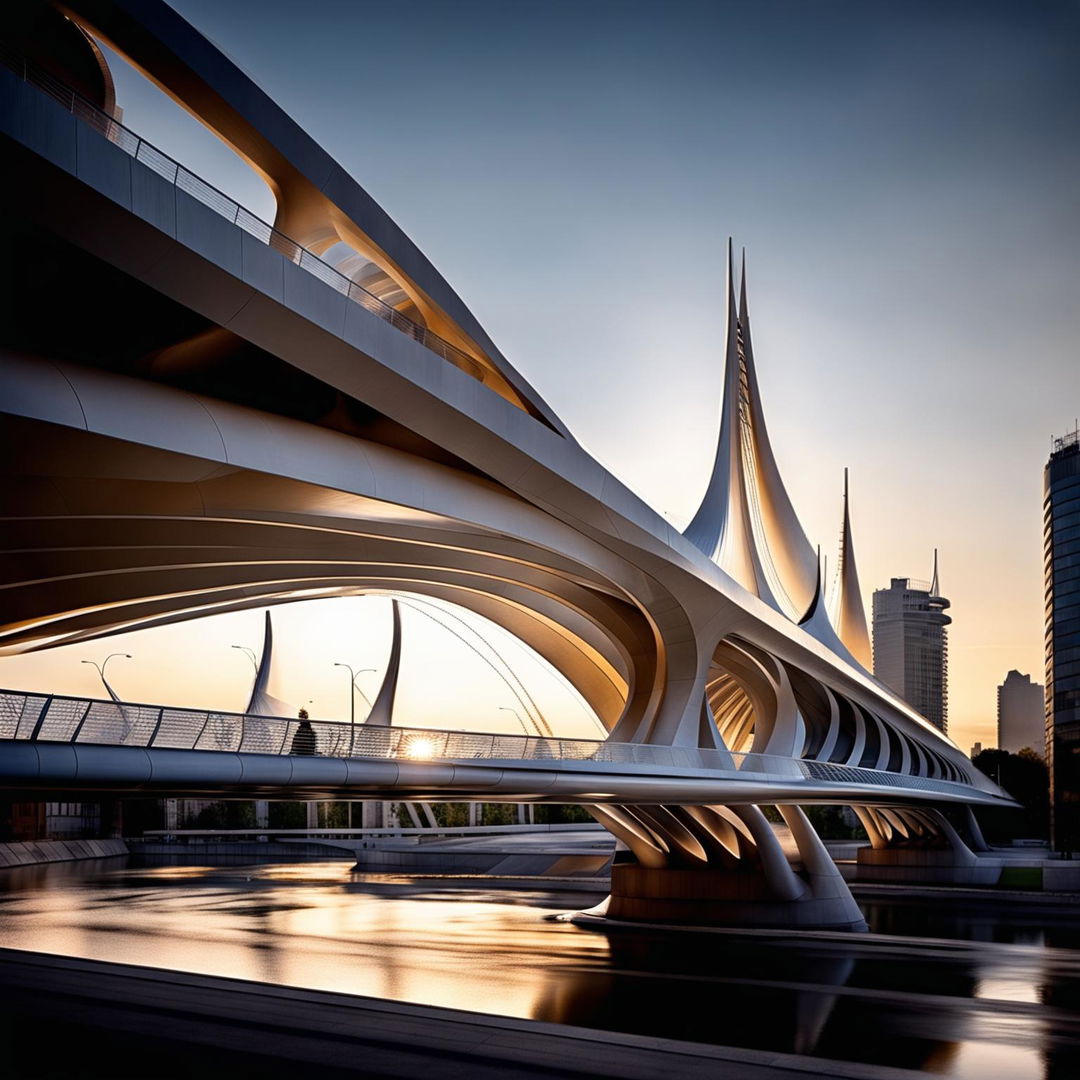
pixel 919 846
pixel 721 866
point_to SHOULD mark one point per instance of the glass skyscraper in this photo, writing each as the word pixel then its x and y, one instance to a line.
pixel 1061 560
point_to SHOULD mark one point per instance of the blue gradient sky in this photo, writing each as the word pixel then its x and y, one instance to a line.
pixel 904 177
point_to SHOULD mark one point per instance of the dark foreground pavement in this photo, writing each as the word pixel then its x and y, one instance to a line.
pixel 62 1017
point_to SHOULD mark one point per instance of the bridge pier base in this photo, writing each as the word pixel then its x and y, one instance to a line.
pixel 714 866
pixel 725 898
pixel 919 847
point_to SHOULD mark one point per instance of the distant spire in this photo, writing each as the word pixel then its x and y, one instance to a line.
pixel 262 702
pixel 746 523
pixel 262 672
pixel 934 580
pixel 849 616
pixel 382 712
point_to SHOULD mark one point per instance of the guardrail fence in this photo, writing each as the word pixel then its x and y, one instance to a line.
pixel 57 718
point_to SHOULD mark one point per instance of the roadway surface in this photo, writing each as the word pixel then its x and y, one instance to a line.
pixel 120 1021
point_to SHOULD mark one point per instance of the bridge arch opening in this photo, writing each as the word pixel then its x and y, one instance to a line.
pixel 151 112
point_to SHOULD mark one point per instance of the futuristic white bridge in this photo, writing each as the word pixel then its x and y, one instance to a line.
pixel 204 412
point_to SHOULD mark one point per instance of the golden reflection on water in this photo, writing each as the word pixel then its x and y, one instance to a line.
pixel 482 948
pixel 239 922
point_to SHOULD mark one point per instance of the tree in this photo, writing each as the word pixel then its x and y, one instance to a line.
pixel 1024 776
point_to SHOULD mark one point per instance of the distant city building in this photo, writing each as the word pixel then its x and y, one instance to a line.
pixel 1021 714
pixel 976 750
pixel 911 653
pixel 1061 554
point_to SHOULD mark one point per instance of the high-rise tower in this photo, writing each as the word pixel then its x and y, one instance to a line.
pixel 1021 717
pixel 1061 561
pixel 911 651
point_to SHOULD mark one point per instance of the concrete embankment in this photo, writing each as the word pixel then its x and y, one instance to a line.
pixel 31 852
pixel 236 853
pixel 170 1024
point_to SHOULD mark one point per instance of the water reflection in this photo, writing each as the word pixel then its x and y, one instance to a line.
pixel 980 1008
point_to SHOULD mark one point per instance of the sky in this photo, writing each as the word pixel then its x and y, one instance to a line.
pixel 903 177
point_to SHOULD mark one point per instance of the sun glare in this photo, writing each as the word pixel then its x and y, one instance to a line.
pixel 419 748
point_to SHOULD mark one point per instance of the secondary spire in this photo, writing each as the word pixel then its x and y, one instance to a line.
pixel 849 615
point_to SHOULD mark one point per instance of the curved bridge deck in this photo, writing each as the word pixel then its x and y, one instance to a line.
pixel 53 742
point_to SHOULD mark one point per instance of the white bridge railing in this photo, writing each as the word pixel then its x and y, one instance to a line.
pixel 56 718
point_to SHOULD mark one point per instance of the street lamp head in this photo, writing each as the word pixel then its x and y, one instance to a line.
pixel 249 653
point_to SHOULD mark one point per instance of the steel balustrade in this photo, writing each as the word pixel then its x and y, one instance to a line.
pixel 56 718
pixel 172 171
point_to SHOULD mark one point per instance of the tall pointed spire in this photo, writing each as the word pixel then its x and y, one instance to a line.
pixel 262 702
pixel 934 580
pixel 849 616
pixel 722 528
pixel 382 712
pixel 788 554
pixel 746 522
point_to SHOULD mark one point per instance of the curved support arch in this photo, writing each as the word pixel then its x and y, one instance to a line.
pixel 778 873
pixel 777 723
pixel 684 847
pixel 731 712
pixel 725 845
pixel 645 847
pixel 871 824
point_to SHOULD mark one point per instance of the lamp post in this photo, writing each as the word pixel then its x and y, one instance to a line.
pixel 353 688
pixel 250 654
pixel 353 675
pixel 507 708
pixel 103 665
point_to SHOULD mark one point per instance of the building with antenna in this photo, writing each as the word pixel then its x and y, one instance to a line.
pixel 911 650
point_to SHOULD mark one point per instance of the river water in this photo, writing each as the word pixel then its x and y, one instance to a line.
pixel 968 991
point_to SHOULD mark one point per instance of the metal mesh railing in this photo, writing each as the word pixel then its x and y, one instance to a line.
pixel 175 173
pixel 58 718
